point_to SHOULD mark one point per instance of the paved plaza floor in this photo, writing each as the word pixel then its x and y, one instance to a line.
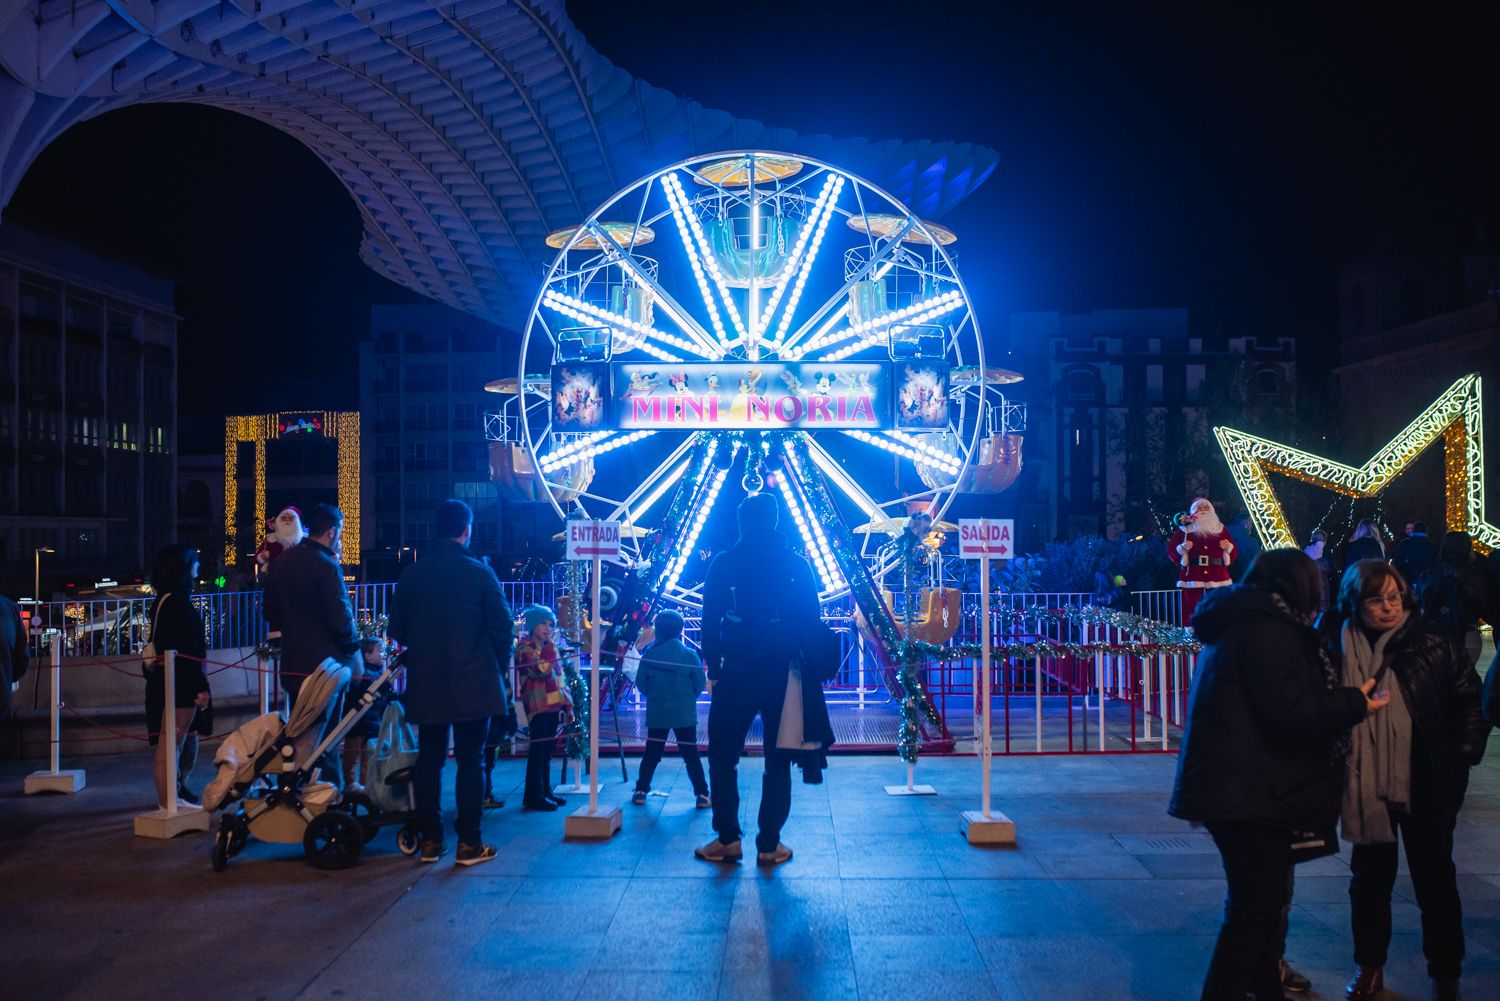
pixel 1106 897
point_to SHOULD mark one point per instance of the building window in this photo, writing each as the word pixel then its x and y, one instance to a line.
pixel 426 455
pixel 426 378
pixel 1195 376
pixel 39 425
pixel 470 457
pixel 1081 384
pixel 1153 383
pixel 156 441
pixel 38 489
pixel 426 417
pixel 86 431
pixel 122 436
pixel 39 358
pixel 466 416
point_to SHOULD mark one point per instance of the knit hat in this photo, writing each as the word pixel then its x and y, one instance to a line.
pixel 668 624
pixel 757 513
pixel 535 615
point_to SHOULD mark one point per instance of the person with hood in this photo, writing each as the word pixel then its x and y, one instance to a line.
pixel 1408 771
pixel 1453 593
pixel 451 616
pixel 176 625
pixel 760 622
pixel 671 677
pixel 1261 761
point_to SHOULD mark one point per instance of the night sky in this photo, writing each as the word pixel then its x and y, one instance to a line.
pixel 1224 160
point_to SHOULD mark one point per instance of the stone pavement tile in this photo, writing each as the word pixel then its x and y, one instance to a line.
pixel 1183 866
pixel 538 948
pixel 789 983
pixel 1473 861
pixel 1012 906
pixel 1092 967
pixel 1105 864
pixel 882 955
pixel 388 979
pixel 675 905
pixel 1405 917
pixel 960 860
pixel 854 864
pixel 643 946
pixel 672 858
pixel 650 985
pixel 1158 907
pixel 949 985
pixel 901 907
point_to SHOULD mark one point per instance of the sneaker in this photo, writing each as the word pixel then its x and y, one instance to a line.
pixel 187 796
pixel 540 805
pixel 491 803
pixel 703 801
pixel 718 851
pixel 555 799
pixel 1367 982
pixel 775 857
pixel 432 851
pixel 638 798
pixel 1292 980
pixel 474 854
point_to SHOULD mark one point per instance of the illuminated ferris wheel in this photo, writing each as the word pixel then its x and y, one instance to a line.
pixel 751 321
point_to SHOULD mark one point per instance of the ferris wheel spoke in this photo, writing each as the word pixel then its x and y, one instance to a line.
pixel 590 445
pixel 697 517
pixel 664 300
pixel 836 307
pixel 654 486
pixel 841 479
pixel 876 329
pixel 810 527
pixel 897 444
pixel 804 254
pixel 705 266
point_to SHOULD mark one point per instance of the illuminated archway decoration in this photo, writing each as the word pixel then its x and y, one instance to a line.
pixel 341 426
pixel 1456 417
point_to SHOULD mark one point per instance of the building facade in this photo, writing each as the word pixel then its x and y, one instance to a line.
pixel 422 374
pixel 1121 408
pixel 88 414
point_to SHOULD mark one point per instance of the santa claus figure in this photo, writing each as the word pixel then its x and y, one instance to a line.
pixel 282 533
pixel 1201 549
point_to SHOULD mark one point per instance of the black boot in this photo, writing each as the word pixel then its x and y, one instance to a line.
pixel 1445 989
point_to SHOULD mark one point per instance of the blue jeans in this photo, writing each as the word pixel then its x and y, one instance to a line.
pixel 468 787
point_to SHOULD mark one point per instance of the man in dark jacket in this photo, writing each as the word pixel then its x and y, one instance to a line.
pixel 759 603
pixel 1259 757
pixel 1414 554
pixel 306 601
pixel 452 617
pixel 12 652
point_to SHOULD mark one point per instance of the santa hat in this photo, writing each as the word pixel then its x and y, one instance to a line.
pixel 294 510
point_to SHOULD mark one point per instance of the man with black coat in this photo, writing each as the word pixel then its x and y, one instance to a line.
pixel 452 617
pixel 760 617
pixel 1414 554
pixel 1261 756
pixel 306 601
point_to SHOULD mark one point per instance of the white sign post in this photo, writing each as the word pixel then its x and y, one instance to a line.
pixel 594 540
pixel 985 539
pixel 55 778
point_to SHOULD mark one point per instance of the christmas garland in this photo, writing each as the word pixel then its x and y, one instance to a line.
pixel 576 732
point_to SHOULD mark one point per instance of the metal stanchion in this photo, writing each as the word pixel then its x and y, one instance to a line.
pixel 54 779
pixel 176 817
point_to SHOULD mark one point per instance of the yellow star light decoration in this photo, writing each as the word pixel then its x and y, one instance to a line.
pixel 1455 417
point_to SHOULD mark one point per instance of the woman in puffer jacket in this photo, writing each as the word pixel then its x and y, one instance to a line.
pixel 1408 770
pixel 1262 757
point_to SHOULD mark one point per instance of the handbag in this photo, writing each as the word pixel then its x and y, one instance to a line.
pixel 395 749
pixel 1309 845
pixel 148 652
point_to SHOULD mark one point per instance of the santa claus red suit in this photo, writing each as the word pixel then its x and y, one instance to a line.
pixel 284 532
pixel 1202 551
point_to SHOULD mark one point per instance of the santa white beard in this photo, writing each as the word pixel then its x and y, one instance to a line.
pixel 1207 522
pixel 288 533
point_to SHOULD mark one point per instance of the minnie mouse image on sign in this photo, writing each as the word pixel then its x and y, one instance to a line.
pixel 1202 551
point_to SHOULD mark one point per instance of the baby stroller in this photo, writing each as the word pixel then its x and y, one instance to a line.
pixel 267 767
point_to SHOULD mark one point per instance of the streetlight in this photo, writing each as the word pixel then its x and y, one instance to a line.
pixel 36 581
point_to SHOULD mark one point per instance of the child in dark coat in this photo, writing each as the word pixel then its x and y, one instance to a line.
pixel 671 676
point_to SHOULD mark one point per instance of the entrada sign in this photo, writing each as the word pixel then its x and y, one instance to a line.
pixel 590 396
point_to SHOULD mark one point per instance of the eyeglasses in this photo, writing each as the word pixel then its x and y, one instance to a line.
pixel 1380 601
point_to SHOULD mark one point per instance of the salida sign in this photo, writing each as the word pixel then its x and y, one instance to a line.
pixel 986 538
pixel 587 539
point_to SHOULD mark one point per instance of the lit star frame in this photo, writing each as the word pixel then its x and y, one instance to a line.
pixel 1456 417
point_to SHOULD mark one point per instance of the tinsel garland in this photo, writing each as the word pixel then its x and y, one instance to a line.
pixel 916 705
pixel 576 732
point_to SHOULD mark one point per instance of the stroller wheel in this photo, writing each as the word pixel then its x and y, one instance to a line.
pixel 333 840
pixel 221 850
pixel 359 806
pixel 409 839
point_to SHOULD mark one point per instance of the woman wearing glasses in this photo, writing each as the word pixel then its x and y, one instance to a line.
pixel 1408 770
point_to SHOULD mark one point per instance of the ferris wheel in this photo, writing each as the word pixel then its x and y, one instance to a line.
pixel 749 321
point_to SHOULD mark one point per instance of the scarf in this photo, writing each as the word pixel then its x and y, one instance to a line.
pixel 1379 776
